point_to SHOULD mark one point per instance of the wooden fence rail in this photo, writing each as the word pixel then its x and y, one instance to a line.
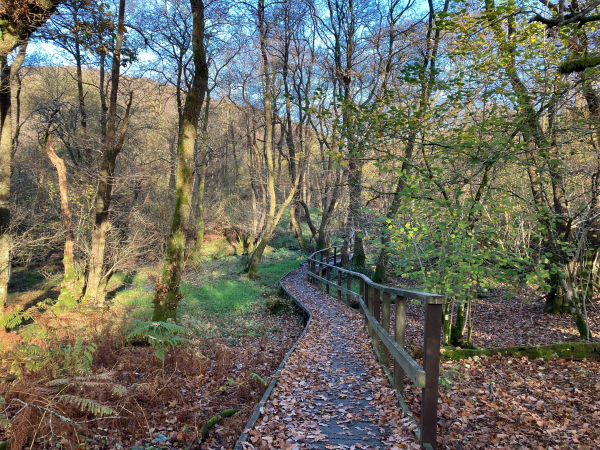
pixel 373 300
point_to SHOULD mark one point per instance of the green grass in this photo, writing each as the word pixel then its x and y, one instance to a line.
pixel 218 300
pixel 217 249
pixel 31 277
pixel 135 291
pixel 34 278
pixel 224 304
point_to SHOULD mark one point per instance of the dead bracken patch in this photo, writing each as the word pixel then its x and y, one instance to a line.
pixel 145 403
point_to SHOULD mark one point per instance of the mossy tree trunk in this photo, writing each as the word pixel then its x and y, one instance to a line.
pixel 5 176
pixel 201 173
pixel 563 350
pixel 17 21
pixel 167 295
pixel 457 330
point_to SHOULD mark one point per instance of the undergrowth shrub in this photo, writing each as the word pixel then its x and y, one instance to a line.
pixel 162 336
pixel 279 305
pixel 75 376
pixel 86 384
pixel 22 315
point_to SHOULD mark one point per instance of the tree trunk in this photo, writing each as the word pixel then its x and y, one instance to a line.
pixel 379 276
pixel 70 288
pixel 7 74
pixel 167 294
pixel 273 217
pixel 15 30
pixel 355 182
pixel 81 95
pixel 5 175
pixel 106 176
pixel 295 224
pixel 201 180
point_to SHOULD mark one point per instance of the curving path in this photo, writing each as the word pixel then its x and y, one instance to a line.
pixel 332 392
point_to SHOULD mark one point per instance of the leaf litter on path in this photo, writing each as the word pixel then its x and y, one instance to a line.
pixel 332 392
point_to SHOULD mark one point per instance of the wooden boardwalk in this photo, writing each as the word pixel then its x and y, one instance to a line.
pixel 332 392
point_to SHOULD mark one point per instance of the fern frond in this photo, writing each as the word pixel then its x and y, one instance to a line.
pixel 119 390
pixel 104 376
pixel 59 382
pixel 14 318
pixel 93 384
pixel 33 331
pixel 160 335
pixel 79 357
pixel 86 404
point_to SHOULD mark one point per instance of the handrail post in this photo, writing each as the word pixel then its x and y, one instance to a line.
pixel 335 256
pixel 308 270
pixel 327 272
pixel 431 364
pixel 400 333
pixel 321 270
pixel 339 282
pixel 369 293
pixel 377 314
pixel 349 287
pixel 385 322
pixel 361 290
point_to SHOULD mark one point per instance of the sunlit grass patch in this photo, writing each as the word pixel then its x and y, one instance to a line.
pixel 216 247
pixel 230 305
pixel 218 299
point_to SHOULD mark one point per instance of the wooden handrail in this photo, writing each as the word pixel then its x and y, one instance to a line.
pixel 413 295
pixel 426 377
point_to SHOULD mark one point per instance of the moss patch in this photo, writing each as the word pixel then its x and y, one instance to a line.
pixel 564 350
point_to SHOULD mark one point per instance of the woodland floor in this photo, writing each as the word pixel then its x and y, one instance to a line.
pixel 235 345
pixel 164 410
pixel 508 321
pixel 502 402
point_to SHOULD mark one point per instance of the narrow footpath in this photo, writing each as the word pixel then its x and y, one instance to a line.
pixel 332 392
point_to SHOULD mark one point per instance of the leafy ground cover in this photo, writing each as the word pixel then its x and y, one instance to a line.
pixel 508 321
pixel 496 402
pixel 73 378
pixel 504 402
